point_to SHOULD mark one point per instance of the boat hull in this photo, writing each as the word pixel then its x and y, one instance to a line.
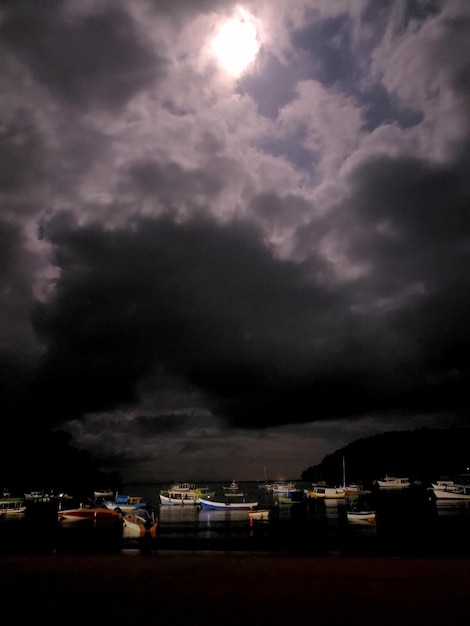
pixel 103 493
pixel 211 504
pixel 89 514
pixel 179 501
pixel 393 483
pixel 362 517
pixel 449 494
pixel 326 493
pixel 12 506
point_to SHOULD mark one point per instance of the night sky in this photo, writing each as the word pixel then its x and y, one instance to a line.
pixel 233 236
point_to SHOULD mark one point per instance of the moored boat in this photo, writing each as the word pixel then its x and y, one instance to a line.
pixel 284 487
pixel 141 522
pixel 323 492
pixel 90 513
pixel 361 517
pixel 451 491
pixel 37 496
pixel 355 489
pixel 227 504
pixel 184 494
pixel 392 482
pixel 12 506
pixel 124 503
pixel 103 493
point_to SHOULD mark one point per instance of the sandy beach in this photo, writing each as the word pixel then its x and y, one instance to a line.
pixel 203 587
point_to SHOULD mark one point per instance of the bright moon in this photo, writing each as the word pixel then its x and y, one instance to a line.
pixel 236 45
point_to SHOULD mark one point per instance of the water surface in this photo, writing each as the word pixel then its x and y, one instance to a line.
pixel 409 523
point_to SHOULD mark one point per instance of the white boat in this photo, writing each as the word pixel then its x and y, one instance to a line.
pixel 355 489
pixel 228 504
pixel 103 493
pixel 141 522
pixel 12 506
pixel 179 499
pixel 284 487
pixel 38 496
pixel 124 503
pixel 451 491
pixel 184 494
pixel 327 493
pixel 362 517
pixel 391 482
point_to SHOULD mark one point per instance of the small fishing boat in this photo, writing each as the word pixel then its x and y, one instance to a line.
pixel 37 496
pixel 391 482
pixel 355 489
pixel 12 506
pixel 184 494
pixel 361 517
pixel 124 503
pixel 284 488
pixel 322 492
pixel 90 513
pixel 451 491
pixel 141 522
pixel 228 504
pixel 261 514
pixel 103 493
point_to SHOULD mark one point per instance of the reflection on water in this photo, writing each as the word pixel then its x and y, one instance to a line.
pixel 408 523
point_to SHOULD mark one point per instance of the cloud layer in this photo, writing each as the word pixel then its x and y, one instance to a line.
pixel 237 271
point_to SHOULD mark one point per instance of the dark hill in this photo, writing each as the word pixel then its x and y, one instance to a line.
pixel 423 454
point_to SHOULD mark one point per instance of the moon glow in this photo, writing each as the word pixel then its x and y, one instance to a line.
pixel 236 45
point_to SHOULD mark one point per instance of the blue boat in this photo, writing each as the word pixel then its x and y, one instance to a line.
pixel 124 503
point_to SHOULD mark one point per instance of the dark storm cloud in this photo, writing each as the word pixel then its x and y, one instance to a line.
pixel 21 154
pixel 17 351
pixel 174 184
pixel 203 301
pixel 415 221
pixel 87 60
pixel 163 424
pixel 407 222
pixel 268 345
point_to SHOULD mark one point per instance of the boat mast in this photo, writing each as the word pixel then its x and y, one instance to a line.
pixel 344 472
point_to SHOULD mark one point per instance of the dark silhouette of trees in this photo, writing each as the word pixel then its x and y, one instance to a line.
pixel 423 454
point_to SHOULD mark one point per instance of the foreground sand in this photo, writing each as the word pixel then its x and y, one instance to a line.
pixel 204 587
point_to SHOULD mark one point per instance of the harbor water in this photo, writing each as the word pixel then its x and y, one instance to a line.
pixel 408 523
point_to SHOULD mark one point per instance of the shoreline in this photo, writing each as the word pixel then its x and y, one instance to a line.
pixel 276 588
